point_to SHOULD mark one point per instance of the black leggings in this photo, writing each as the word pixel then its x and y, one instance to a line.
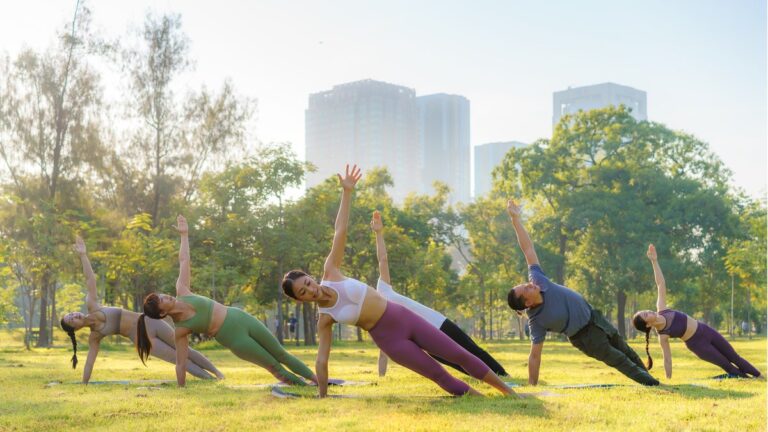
pixel 454 332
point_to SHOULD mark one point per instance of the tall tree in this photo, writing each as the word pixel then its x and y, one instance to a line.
pixel 51 129
pixel 612 185
pixel 178 139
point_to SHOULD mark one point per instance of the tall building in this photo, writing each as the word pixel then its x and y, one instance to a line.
pixel 596 96
pixel 444 141
pixel 487 157
pixel 370 123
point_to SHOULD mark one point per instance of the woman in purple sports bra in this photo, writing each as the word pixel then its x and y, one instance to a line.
pixel 701 339
pixel 400 333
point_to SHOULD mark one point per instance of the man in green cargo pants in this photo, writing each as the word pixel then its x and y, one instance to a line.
pixel 553 307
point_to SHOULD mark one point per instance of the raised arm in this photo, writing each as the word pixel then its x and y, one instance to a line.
pixel 381 248
pixel 185 272
pixel 335 257
pixel 661 286
pixel 324 336
pixel 91 299
pixel 526 245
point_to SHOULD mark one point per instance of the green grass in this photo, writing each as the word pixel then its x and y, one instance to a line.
pixel 400 401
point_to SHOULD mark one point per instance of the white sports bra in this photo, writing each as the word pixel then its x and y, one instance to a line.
pixel 349 300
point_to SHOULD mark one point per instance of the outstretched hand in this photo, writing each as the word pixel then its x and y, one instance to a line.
pixel 376 223
pixel 181 225
pixel 350 177
pixel 651 253
pixel 79 246
pixel 513 209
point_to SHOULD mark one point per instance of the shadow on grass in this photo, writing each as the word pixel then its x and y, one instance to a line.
pixel 694 391
pixel 531 406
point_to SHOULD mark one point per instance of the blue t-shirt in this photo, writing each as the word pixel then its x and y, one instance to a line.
pixel 563 311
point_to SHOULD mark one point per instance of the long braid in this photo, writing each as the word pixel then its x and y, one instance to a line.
pixel 647 351
pixel 71 332
pixel 643 326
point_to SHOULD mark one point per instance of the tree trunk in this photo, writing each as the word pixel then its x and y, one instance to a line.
pixel 42 340
pixel 490 312
pixel 296 313
pixel 482 308
pixel 621 300
pixel 359 334
pixel 560 267
pixel 307 324
pixel 53 313
pixel 156 185
pixel 749 309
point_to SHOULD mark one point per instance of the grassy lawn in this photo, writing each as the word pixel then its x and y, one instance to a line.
pixel 400 401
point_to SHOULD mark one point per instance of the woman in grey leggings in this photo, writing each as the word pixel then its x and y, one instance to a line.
pixel 108 321
pixel 701 339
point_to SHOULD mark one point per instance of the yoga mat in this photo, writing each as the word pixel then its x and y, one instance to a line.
pixel 126 382
pixel 282 394
pixel 331 382
pixel 569 386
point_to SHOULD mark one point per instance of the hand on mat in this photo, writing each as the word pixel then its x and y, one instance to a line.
pixel 513 209
pixel 350 177
pixel 181 225
pixel 79 245
pixel 651 252
pixel 376 223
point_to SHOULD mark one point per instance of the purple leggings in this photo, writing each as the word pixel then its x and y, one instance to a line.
pixel 404 336
pixel 711 346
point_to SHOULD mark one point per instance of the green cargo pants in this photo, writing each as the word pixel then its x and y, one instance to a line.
pixel 601 341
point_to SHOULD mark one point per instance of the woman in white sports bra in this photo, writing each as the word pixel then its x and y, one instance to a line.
pixel 107 321
pixel 400 333
pixel 438 320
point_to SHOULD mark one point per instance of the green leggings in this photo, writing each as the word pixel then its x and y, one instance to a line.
pixel 250 340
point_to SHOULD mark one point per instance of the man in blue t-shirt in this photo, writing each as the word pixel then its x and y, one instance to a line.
pixel 555 308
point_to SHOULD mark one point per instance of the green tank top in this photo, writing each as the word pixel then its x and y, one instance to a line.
pixel 201 320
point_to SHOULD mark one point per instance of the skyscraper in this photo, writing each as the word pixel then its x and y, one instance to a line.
pixel 444 141
pixel 487 157
pixel 370 123
pixel 596 96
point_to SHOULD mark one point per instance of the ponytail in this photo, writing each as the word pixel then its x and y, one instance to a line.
pixel 642 326
pixel 143 344
pixel 71 332
pixel 151 309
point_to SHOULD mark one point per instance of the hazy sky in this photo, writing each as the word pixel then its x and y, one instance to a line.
pixel 702 63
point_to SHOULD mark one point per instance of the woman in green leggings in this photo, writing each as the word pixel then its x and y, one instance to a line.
pixel 243 334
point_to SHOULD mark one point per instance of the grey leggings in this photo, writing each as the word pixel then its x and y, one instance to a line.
pixel 164 347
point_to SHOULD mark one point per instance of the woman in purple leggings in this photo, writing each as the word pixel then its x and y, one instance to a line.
pixel 400 333
pixel 701 339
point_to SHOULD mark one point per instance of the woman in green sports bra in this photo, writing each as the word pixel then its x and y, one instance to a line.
pixel 243 334
pixel 108 321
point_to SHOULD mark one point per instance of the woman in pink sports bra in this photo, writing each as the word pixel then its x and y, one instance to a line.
pixel 400 333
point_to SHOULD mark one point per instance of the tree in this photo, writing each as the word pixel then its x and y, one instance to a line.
pixel 177 140
pixel 51 129
pixel 612 185
pixel 745 259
